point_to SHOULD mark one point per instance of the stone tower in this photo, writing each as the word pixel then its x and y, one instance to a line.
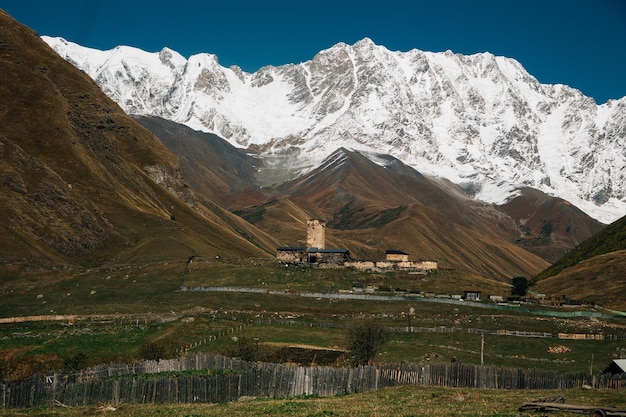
pixel 315 234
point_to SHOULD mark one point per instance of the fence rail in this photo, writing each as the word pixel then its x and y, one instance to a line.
pixel 136 382
pixel 444 329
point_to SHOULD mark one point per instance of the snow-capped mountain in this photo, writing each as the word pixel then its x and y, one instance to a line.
pixel 481 121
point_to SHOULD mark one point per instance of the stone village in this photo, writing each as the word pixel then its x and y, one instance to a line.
pixel 315 254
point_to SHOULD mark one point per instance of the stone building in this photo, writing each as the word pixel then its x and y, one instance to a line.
pixel 291 254
pixel 396 255
pixel 316 234
pixel 315 251
pixel 329 256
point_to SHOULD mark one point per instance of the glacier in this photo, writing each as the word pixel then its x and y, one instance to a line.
pixel 481 121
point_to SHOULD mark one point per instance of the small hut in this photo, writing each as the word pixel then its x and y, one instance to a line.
pixel 291 254
pixel 472 295
pixel 395 255
pixel 618 366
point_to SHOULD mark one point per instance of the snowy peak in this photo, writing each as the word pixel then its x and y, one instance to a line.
pixel 481 121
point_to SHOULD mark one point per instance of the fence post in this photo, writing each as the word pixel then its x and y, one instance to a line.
pixel 55 378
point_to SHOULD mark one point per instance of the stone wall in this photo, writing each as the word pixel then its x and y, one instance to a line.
pixel 291 256
pixel 391 265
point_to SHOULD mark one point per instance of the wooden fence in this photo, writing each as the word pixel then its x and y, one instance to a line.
pixel 445 329
pixel 137 382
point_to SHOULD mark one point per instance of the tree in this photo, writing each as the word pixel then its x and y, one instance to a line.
pixel 153 351
pixel 246 349
pixel 520 286
pixel 75 362
pixel 364 342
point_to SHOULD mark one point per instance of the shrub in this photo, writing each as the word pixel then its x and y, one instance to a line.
pixel 154 351
pixel 245 349
pixel 520 286
pixel 364 342
pixel 75 362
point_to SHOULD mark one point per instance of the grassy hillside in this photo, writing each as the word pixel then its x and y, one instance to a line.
pixel 209 164
pixel 83 184
pixel 599 279
pixel 610 239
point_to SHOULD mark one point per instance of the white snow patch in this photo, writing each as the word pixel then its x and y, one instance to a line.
pixel 498 194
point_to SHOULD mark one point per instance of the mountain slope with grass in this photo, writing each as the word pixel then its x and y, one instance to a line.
pixel 83 184
pixel 211 165
pixel 596 280
pixel 548 226
pixel 611 239
pixel 592 272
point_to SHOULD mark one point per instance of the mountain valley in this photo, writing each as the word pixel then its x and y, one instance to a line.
pixel 88 186
pixel 145 199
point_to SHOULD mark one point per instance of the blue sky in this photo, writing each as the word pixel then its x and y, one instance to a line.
pixel 581 43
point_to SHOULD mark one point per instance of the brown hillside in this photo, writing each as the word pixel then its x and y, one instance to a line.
pixel 370 208
pixel 208 163
pixel 83 183
pixel 549 226
pixel 599 280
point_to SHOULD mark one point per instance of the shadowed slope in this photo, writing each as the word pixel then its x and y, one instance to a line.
pixel 83 183
pixel 549 226
pixel 593 271
pixel 211 165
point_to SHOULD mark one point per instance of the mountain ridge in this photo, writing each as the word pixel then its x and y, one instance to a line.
pixel 85 185
pixel 480 121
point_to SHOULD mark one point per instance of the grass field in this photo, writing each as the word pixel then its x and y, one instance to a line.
pixel 122 308
pixel 119 340
pixel 397 402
